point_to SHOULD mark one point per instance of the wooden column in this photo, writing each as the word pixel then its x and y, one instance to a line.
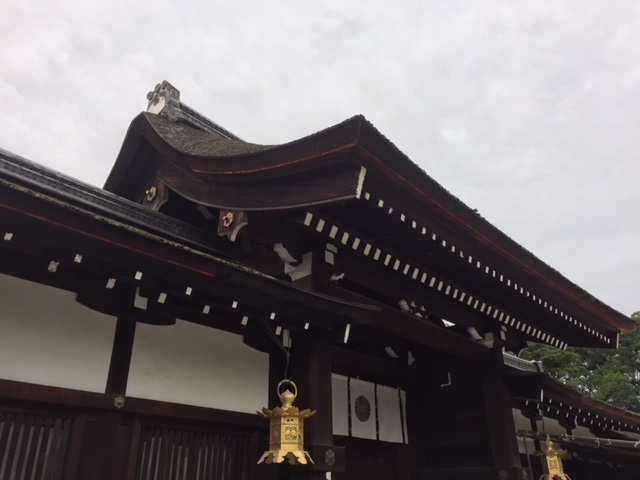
pixel 101 449
pixel 311 370
pixel 121 356
pixel 501 426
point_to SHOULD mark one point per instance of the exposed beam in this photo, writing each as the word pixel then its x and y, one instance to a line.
pixel 17 393
pixel 418 331
pixel 128 247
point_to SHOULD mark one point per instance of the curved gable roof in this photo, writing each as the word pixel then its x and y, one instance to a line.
pixel 210 159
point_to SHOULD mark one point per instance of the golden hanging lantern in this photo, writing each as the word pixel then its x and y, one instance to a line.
pixel 552 463
pixel 286 438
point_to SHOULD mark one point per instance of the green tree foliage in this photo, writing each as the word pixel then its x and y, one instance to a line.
pixel 612 376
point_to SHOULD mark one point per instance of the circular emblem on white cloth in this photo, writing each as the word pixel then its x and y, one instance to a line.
pixel 363 408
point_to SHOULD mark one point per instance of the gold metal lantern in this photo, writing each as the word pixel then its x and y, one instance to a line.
pixel 552 463
pixel 286 438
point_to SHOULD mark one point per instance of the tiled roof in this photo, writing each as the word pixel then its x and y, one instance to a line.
pixel 33 175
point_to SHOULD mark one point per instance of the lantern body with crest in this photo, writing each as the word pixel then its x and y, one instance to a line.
pixel 286 435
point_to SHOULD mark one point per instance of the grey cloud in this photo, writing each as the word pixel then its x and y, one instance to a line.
pixel 527 111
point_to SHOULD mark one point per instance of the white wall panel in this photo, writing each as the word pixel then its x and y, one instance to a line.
pixel 196 365
pixel 340 399
pixel 47 338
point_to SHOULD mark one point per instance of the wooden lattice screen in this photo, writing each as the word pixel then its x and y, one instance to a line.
pixel 170 454
pixel 88 438
pixel 32 446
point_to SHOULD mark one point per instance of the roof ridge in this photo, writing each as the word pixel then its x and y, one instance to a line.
pixel 164 100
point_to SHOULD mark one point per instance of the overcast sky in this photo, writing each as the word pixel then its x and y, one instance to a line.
pixel 527 111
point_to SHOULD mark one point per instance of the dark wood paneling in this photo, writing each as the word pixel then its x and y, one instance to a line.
pixel 15 396
pixel 483 473
pixel 372 460
pixel 499 419
pixel 60 434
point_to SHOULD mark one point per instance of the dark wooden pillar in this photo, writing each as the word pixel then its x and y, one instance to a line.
pixel 311 370
pixel 500 423
pixel 121 356
pixel 104 449
pixel 101 450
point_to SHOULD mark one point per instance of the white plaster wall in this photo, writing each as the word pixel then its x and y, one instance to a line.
pixel 195 365
pixel 47 338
